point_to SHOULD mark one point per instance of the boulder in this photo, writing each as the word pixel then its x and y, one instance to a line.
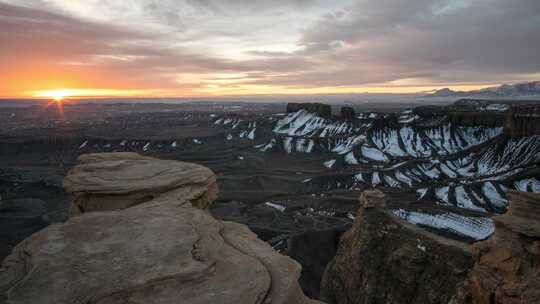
pixel 383 259
pixel 166 249
pixel 112 181
pixel 322 110
pixel 507 265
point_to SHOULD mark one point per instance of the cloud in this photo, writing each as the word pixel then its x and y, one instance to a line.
pixel 447 41
pixel 299 44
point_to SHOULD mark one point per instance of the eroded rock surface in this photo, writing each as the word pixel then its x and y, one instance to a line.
pixel 383 259
pixel 166 249
pixel 507 265
pixel 112 181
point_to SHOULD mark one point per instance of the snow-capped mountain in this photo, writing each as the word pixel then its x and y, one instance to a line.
pixel 505 90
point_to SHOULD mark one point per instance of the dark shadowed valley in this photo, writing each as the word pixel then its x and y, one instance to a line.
pixel 293 174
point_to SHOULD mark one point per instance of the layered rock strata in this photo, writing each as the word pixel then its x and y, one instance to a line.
pixel 383 259
pixel 142 235
pixel 507 265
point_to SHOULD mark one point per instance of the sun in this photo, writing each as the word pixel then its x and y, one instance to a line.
pixel 56 95
pixel 58 98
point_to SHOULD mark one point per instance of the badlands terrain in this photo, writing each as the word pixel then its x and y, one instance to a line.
pixel 293 172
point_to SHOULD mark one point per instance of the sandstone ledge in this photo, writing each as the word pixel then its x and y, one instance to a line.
pixel 167 249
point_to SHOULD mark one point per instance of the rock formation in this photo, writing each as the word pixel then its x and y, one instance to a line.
pixel 383 259
pixel 348 113
pixel 112 181
pixel 140 234
pixel 322 110
pixel 523 121
pixel 507 265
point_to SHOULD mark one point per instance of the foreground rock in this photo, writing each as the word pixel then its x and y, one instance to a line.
pixel 164 248
pixel 112 181
pixel 507 265
pixel 383 259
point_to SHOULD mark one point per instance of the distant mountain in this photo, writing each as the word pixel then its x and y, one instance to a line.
pixel 505 90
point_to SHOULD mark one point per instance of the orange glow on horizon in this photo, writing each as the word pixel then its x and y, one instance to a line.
pixel 231 90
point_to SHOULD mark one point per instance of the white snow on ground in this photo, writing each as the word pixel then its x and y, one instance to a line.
pixel 196 141
pixel 345 146
pixel 421 192
pixel 304 145
pixel 83 144
pixel 287 144
pixel 493 195
pixel 391 182
pixel 350 159
pixel 375 179
pixel 145 148
pixel 268 146
pixel 464 201
pixel 496 107
pixel 251 134
pixel 358 177
pixel 528 185
pixel 476 228
pixel 442 194
pixel 275 206
pixel 374 154
pixel 329 163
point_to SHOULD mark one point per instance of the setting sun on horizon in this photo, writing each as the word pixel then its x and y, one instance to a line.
pixel 77 49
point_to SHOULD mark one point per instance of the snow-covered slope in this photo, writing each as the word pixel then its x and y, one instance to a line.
pixel 470 167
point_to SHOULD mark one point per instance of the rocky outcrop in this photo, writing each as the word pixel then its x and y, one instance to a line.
pixel 523 121
pixel 112 181
pixel 383 259
pixel 145 242
pixel 322 110
pixel 348 113
pixel 507 265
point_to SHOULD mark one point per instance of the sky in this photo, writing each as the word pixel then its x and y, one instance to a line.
pixel 165 48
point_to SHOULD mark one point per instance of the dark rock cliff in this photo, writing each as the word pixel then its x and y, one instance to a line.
pixel 383 259
pixel 507 265
pixel 348 113
pixel 523 121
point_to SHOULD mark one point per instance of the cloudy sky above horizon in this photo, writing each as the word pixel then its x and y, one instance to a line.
pixel 214 47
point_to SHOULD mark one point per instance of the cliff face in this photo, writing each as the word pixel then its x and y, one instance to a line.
pixel 507 265
pixel 523 121
pixel 147 239
pixel 383 259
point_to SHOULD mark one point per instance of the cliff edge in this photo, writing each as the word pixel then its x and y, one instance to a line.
pixel 383 259
pixel 140 233
pixel 507 265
